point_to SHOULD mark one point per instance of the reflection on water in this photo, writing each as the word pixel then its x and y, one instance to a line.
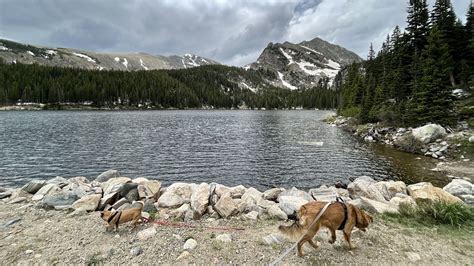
pixel 255 148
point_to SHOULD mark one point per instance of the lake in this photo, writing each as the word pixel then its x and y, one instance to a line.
pixel 263 149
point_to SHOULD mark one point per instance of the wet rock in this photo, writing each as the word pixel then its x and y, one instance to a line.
pixel 190 244
pixel 226 206
pixel 200 198
pixel 146 233
pixel 429 133
pixel 176 195
pixel 275 212
pixel 426 193
pixel 365 187
pixel 47 189
pixel 33 186
pixel 107 175
pixel 374 206
pixel 135 251
pixel 225 238
pixel 88 202
pixel 272 194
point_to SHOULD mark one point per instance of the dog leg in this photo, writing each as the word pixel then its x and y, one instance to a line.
pixel 333 236
pixel 313 244
pixel 347 236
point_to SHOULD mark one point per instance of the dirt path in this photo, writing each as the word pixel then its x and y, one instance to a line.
pixel 50 237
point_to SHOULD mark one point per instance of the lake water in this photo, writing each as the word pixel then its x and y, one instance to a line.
pixel 255 148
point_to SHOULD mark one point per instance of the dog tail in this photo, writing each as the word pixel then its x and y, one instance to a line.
pixel 293 231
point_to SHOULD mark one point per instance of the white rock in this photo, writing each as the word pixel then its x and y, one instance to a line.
pixel 390 188
pixel 88 202
pixel 413 257
pixel 459 187
pixel 471 139
pixel 253 215
pixel 294 192
pixel 190 244
pixel 107 175
pixel 226 206
pixel 374 206
pixel 429 133
pixel 200 198
pixel 146 233
pixel 290 204
pixel 276 213
pixel 225 238
pixel 252 195
pixel 176 194
pixel 47 189
pixel 272 194
pixel 271 239
pixel 364 187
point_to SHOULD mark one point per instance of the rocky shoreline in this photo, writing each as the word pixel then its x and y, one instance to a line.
pixel 209 204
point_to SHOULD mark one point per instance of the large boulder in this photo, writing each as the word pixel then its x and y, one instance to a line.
pixel 33 186
pixel 200 198
pixel 117 185
pixel 429 133
pixel 148 188
pixel 365 187
pixel 290 204
pixel 108 199
pixel 59 181
pixel 252 195
pixel 233 192
pixel 294 192
pixel 459 187
pixel 88 202
pixel 390 188
pixel 328 194
pixel 426 193
pixel 176 195
pixel 397 201
pixel 272 194
pixel 226 206
pixel 107 175
pixel 60 201
pixel 47 189
pixel 373 206
pixel 274 212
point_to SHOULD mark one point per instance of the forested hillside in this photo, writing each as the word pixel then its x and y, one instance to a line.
pixel 411 80
pixel 214 86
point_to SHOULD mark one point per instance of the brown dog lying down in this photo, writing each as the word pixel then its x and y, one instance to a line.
pixel 333 218
pixel 113 218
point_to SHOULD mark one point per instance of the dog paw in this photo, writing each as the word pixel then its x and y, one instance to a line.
pixel 331 241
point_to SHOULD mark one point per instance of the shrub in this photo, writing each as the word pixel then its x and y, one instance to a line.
pixel 409 144
pixel 351 112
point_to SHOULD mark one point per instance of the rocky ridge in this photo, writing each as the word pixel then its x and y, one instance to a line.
pixel 12 52
pixel 305 64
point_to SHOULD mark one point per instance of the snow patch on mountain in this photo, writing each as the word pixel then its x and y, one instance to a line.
pixel 312 50
pixel 143 65
pixel 31 53
pixel 88 58
pixel 290 59
pixel 3 48
pixel 248 87
pixel 125 62
pixel 117 59
pixel 51 52
pixel 285 83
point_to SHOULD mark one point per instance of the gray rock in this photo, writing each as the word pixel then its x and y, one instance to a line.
pixel 253 215
pixel 234 192
pixel 88 202
pixel 413 257
pixel 60 201
pixel 275 212
pixel 327 194
pixel 132 195
pixel 107 175
pixel 226 206
pixel 180 212
pixel 146 233
pixel 363 187
pixel 148 189
pixel 225 238
pixel 429 133
pixel 149 206
pixel 468 199
pixel 135 251
pixel 200 198
pixel 459 187
pixel 119 203
pixel 176 195
pixel 108 199
pixel 33 186
pixel 272 239
pixel 290 204
pixel 374 206
pixel 190 244
pixel 390 188
pixel 47 189
pixel 294 192
pixel 59 181
pixel 272 194
pixel 6 194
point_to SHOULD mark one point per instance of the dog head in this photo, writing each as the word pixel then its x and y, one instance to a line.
pixel 363 219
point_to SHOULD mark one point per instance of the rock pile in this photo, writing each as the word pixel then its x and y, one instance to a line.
pixel 188 201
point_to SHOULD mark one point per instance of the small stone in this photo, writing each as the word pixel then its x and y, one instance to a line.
pixel 413 257
pixel 183 256
pixel 471 139
pixel 136 251
pixel 253 215
pixel 146 233
pixel 29 251
pixel 37 256
pixel 190 244
pixel 225 238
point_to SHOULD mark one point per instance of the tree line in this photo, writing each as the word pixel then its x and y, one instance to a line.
pixel 206 86
pixel 410 81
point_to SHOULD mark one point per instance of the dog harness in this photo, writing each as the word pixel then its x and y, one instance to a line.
pixel 343 224
pixel 119 213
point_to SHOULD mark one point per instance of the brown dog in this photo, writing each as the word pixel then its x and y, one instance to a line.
pixel 113 218
pixel 334 218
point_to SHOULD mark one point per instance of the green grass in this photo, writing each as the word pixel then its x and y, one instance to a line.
pixel 445 218
pixel 350 112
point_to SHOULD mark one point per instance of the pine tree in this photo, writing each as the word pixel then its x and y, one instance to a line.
pixel 432 100
pixel 418 23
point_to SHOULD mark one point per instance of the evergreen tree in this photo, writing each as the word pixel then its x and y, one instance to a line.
pixel 418 23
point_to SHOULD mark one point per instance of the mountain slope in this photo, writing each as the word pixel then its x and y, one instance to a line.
pixel 303 65
pixel 13 52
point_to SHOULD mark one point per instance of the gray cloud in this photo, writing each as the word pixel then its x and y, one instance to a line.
pixel 232 32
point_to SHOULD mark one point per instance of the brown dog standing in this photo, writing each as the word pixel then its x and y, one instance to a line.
pixel 113 218
pixel 334 218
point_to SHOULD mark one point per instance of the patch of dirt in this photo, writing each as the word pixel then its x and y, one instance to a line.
pixel 50 237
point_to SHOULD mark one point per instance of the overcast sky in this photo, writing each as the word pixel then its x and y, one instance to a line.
pixel 233 32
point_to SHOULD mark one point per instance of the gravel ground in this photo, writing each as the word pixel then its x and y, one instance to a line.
pixel 49 237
